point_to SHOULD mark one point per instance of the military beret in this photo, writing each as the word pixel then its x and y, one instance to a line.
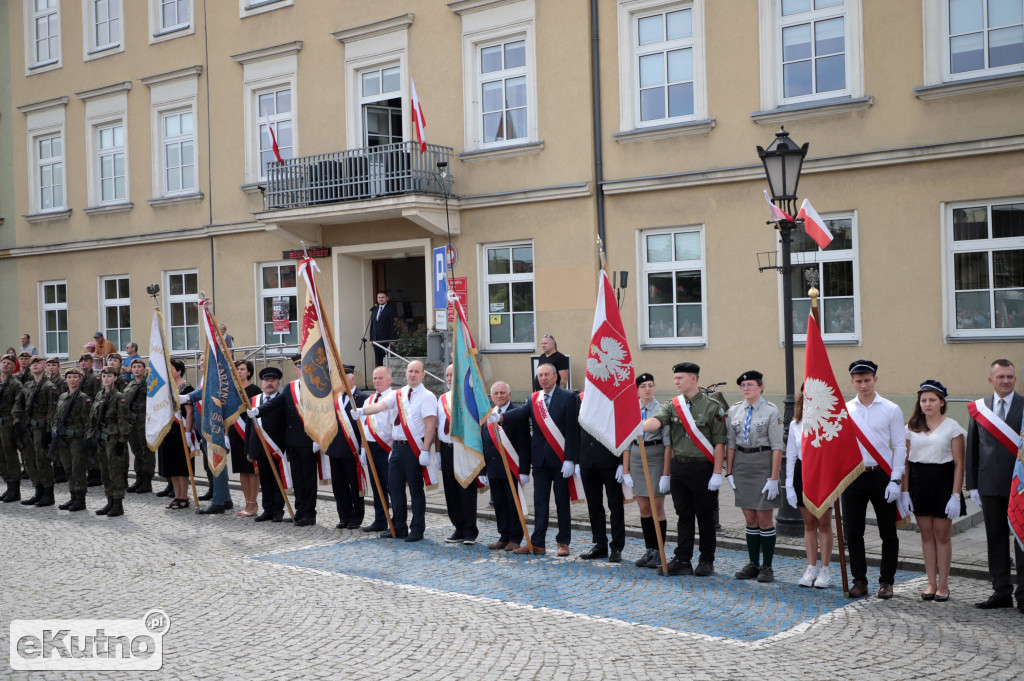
pixel 138 360
pixel 9 358
pixel 115 355
pixel 863 366
pixel 25 354
pixel 53 360
pixel 74 370
pixel 85 357
pixel 750 376
pixel 270 372
pixel 643 378
pixel 110 370
pixel 686 368
pixel 934 386
pixel 35 358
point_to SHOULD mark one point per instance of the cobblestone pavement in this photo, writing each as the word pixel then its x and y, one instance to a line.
pixel 266 601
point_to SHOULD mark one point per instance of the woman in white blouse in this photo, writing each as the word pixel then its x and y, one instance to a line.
pixel 820 578
pixel 934 478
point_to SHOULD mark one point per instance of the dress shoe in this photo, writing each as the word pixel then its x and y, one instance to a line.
pixel 263 517
pixel 497 545
pixel 352 526
pixel 563 550
pixel 511 546
pixel 650 555
pixel 766 575
pixel 375 528
pixel 885 591
pixel 537 550
pixel 341 526
pixel 858 589
pixel 455 538
pixel 279 518
pixel 941 598
pixel 678 567
pixel 928 596
pixel 996 601
pixel 414 536
pixel 228 505
pixel 305 521
pixel 749 571
pixel 386 534
pixel 597 551
pixel 615 556
pixel 207 495
pixel 212 509
pixel 704 568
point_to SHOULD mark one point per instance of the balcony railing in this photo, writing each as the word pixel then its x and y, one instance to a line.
pixel 355 175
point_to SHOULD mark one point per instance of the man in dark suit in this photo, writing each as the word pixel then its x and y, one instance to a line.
pixel 274 427
pixel 601 471
pixel 989 466
pixel 344 471
pixel 549 468
pixel 382 327
pixel 510 530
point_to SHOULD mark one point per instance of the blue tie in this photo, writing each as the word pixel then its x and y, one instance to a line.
pixel 746 425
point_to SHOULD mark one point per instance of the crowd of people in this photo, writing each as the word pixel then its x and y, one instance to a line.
pixel 692 445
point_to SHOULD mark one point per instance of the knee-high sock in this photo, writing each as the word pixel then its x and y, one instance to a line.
pixel 664 533
pixel 754 544
pixel 768 545
pixel 647 525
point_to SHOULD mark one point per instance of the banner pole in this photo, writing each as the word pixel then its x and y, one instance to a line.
pixel 650 492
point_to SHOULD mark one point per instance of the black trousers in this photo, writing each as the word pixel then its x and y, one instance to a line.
pixel 378 356
pixel 869 487
pixel 273 502
pixel 544 478
pixel 598 483
pixel 997 536
pixel 380 462
pixel 693 502
pixel 461 501
pixel 303 463
pixel 509 527
pixel 345 483
pixel 403 468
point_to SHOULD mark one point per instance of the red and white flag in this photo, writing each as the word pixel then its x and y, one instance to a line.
pixel 777 213
pixel 273 143
pixel 830 457
pixel 418 121
pixel 611 412
pixel 814 225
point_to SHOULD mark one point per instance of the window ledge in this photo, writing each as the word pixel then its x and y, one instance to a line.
pixel 110 208
pixel 673 346
pixel 101 50
pixel 253 187
pixel 44 64
pixel 158 202
pixel 506 352
pixel 984 339
pixel 48 217
pixel 502 152
pixel 970 86
pixel 657 132
pixel 171 31
pixel 821 107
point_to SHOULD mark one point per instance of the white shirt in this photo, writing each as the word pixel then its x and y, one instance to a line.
pixel 936 446
pixel 421 403
pixel 882 423
pixel 793 453
pixel 382 421
pixel 442 419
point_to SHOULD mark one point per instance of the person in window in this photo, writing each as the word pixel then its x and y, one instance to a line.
pixel 26 345
pixel 382 327
pixel 551 355
pixel 820 578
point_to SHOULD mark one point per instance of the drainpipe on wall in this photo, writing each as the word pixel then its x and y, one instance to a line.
pixel 595 64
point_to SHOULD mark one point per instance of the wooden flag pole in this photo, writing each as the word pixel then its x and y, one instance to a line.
pixel 273 469
pixel 515 493
pixel 650 492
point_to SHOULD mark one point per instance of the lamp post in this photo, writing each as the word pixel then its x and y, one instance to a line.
pixel 782 162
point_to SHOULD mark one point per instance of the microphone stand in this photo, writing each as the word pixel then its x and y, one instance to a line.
pixel 362 348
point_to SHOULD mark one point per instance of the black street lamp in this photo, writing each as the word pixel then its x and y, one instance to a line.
pixel 782 161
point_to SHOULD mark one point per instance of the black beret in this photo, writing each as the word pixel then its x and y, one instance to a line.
pixel 686 368
pixel 643 378
pixel 750 376
pixel 863 366
pixel 934 386
pixel 270 372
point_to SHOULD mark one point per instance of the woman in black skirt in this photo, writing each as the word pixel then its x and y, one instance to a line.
pixel 172 449
pixel 935 475
pixel 239 461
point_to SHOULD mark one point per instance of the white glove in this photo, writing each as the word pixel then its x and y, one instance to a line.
pixel 975 497
pixel 524 478
pixel 627 480
pixel 732 483
pixel 906 503
pixel 618 474
pixel 892 492
pixel 665 484
pixel 577 469
pixel 567 469
pixel 227 442
pixel 358 413
pixel 483 480
pixel 424 458
pixel 316 448
pixel 494 417
pixel 185 399
pixel 771 487
pixel 953 507
pixel 791 496
pixel 715 482
pixel 252 413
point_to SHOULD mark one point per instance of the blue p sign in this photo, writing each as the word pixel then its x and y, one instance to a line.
pixel 440 282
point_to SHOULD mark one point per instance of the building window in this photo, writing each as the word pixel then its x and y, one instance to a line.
pixel 55 318
pixel 50 172
pixel 985 36
pixel 508 281
pixel 280 302
pixel 664 63
pixel 179 165
pixel 380 96
pixel 986 262
pixel 45 32
pixel 836 271
pixel 813 38
pixel 248 8
pixel 275 110
pixel 673 287
pixel 102 25
pixel 175 14
pixel 117 310
pixel 182 296
pixel 503 92
pixel 112 163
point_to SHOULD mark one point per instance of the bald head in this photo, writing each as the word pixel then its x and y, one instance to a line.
pixel 414 373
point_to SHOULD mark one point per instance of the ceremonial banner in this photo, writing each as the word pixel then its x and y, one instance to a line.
pixel 321 380
pixel 1015 511
pixel 830 456
pixel 611 412
pixel 224 400
pixel 161 396
pixel 469 405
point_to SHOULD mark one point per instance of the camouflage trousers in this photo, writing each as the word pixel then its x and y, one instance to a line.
pixel 145 458
pixel 72 455
pixel 113 467
pixel 10 465
pixel 38 467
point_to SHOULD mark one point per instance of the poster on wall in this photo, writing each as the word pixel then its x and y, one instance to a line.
pixel 282 309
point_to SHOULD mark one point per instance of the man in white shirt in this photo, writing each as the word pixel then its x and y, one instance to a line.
pixel 413 432
pixel 881 421
pixel 381 440
pixel 461 501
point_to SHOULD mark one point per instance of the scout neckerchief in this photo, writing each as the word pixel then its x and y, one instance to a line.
pixel 402 400
pixel 690 426
pixel 555 438
pixel 504 446
pixel 996 427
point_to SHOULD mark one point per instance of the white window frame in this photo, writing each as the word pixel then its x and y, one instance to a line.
pixel 630 12
pixel 771 21
pixel 262 70
pixel 51 161
pixel 115 334
pixel 817 258
pixel 250 8
pixel 34 65
pixel 55 307
pixel 937 54
pixel 274 121
pixel 179 140
pixel 989 245
pixel 158 32
pixel 92 48
pixel 42 121
pixel 510 278
pixel 104 108
pixel 188 300
pixel 645 268
pixel 263 293
pixel 176 91
pixel 112 152
pixel 367 49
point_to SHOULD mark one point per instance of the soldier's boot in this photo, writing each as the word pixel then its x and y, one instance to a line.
pixel 106 509
pixel 47 498
pixel 116 509
pixel 34 499
pixel 93 479
pixel 145 483
pixel 13 492
pixel 77 502
pixel 7 493
pixel 134 487
pixel 166 491
pixel 67 504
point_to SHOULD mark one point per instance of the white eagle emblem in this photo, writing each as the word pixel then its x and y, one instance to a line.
pixel 607 362
pixel 819 419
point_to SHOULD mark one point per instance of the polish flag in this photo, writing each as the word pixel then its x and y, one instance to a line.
pixel 777 213
pixel 273 144
pixel 417 118
pixel 814 225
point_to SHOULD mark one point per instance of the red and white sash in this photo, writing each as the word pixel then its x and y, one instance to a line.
pixel 996 427
pixel 279 457
pixel 402 400
pixel 353 444
pixel 504 446
pixel 297 397
pixel 447 406
pixel 690 426
pixel 371 425
pixel 555 438
pixel 323 467
pixel 901 514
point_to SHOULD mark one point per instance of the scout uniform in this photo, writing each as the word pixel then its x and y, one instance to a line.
pixel 70 427
pixel 109 430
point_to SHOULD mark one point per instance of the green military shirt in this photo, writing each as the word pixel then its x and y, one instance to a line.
pixel 709 417
pixel 59 383
pixel 36 404
pixel 72 417
pixel 9 391
pixel 134 401
pixel 106 415
pixel 91 384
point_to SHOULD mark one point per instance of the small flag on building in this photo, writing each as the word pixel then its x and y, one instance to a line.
pixel 814 225
pixel 418 122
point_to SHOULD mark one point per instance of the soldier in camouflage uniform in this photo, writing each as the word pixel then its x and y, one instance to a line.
pixel 114 360
pixel 90 381
pixel 32 415
pixel 71 428
pixel 109 430
pixel 134 424
pixel 53 374
pixel 10 466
